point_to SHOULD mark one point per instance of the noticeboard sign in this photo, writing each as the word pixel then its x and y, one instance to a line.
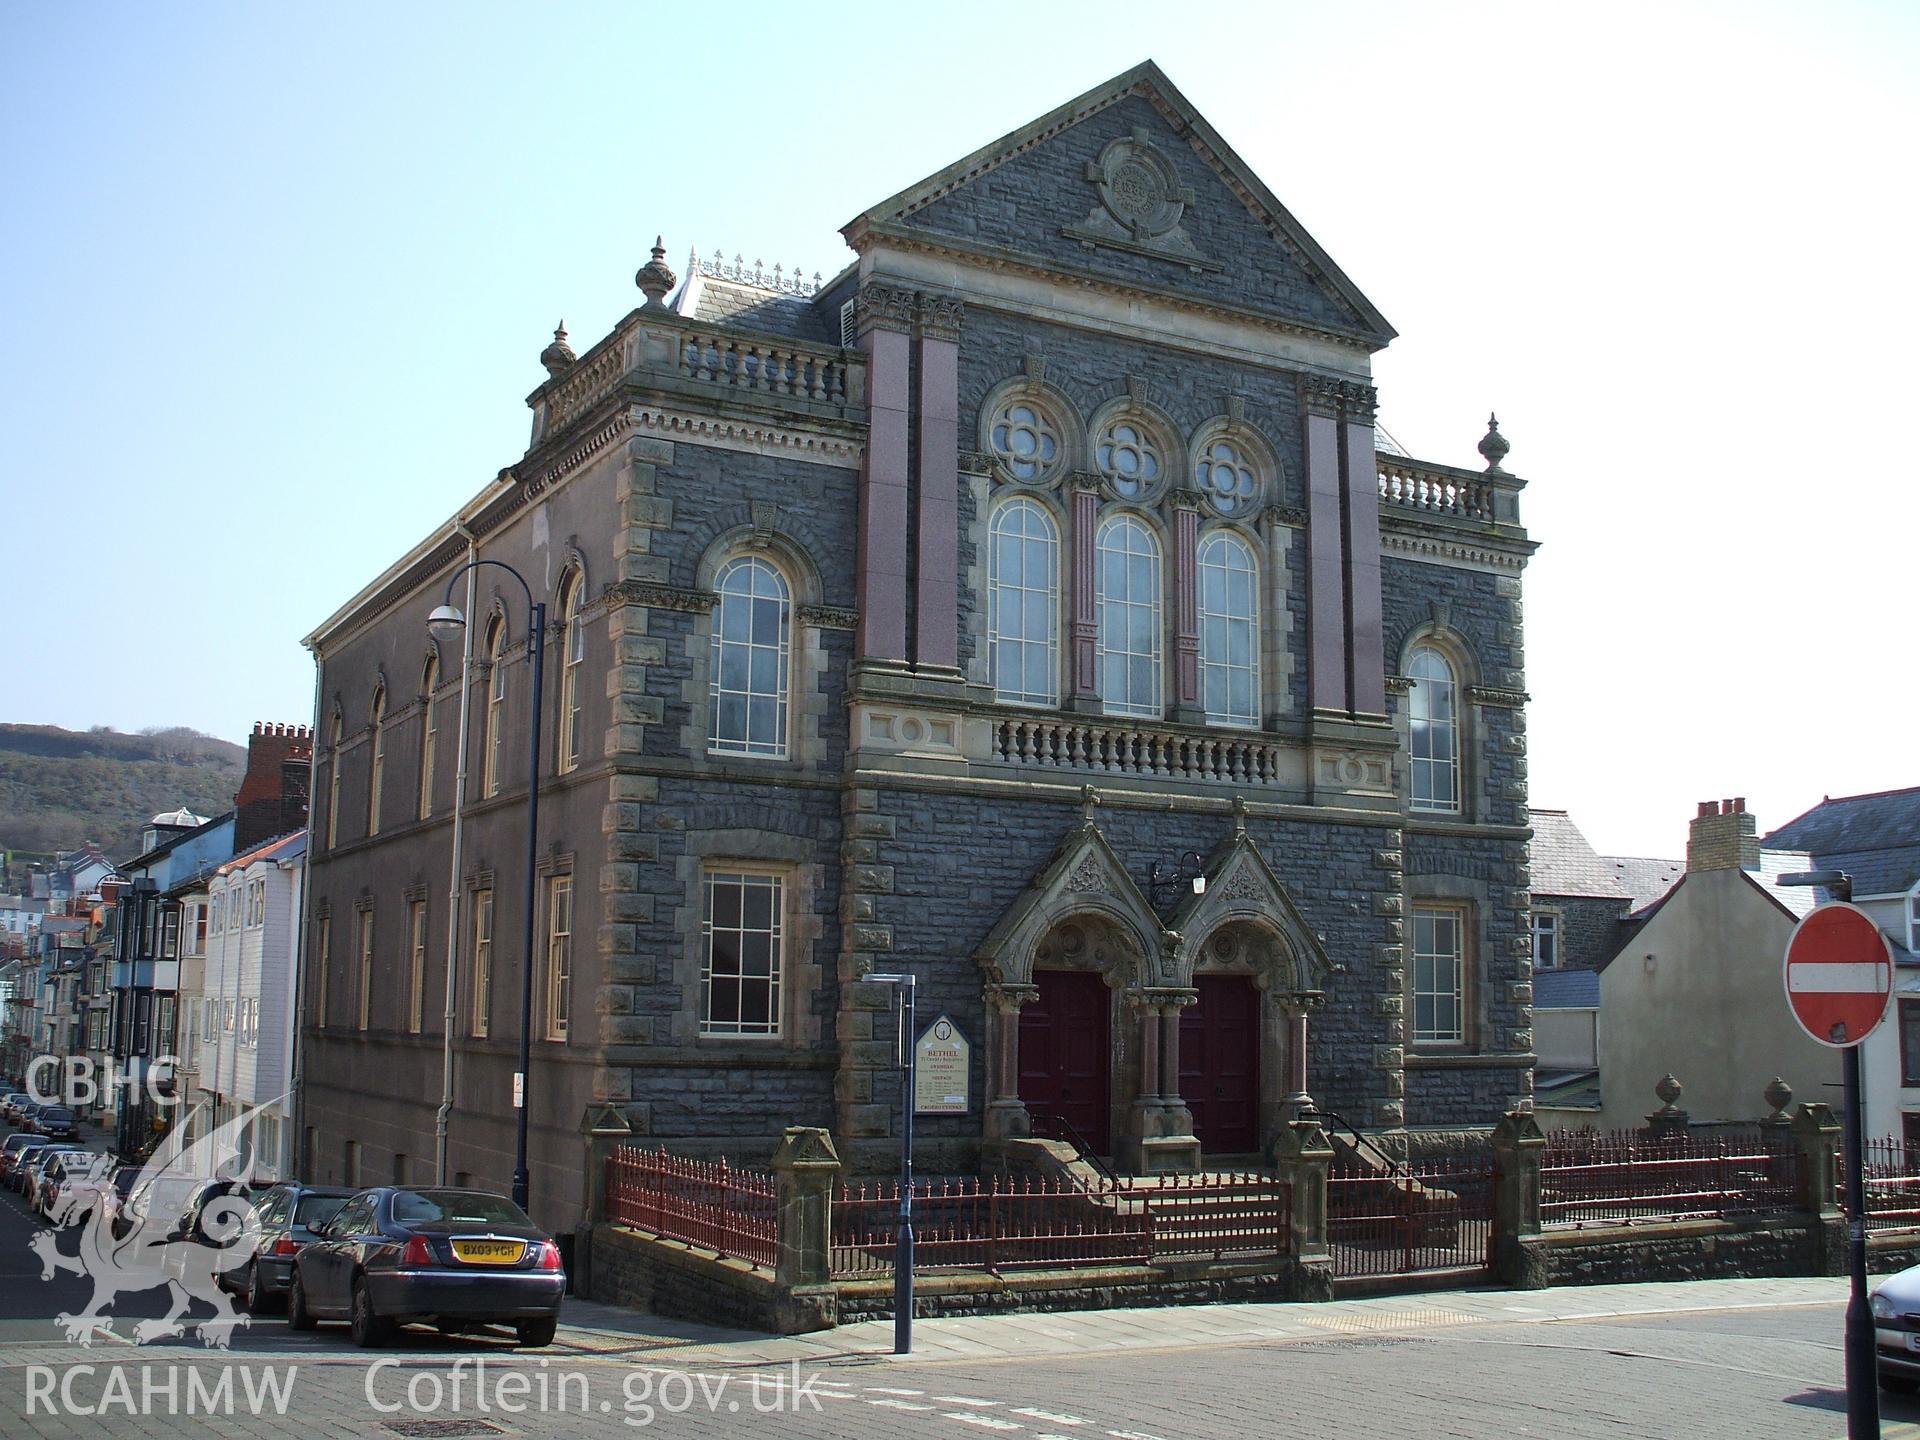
pixel 941 1058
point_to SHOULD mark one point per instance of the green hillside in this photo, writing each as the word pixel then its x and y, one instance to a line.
pixel 62 788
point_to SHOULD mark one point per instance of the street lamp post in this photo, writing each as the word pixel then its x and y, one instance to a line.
pixel 903 985
pixel 447 622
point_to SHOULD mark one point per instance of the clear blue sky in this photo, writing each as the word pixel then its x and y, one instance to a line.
pixel 275 279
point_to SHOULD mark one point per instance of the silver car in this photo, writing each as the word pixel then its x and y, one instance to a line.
pixel 1896 1331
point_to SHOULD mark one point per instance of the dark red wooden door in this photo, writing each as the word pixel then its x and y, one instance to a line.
pixel 1220 1063
pixel 1064 1049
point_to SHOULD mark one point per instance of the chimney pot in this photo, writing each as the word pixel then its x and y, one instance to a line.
pixel 1739 804
pixel 1706 808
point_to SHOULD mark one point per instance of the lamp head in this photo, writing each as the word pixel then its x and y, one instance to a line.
pixel 1199 884
pixel 446 623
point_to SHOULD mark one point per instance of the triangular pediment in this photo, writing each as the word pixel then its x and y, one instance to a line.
pixel 1130 182
pixel 1085 877
pixel 1242 886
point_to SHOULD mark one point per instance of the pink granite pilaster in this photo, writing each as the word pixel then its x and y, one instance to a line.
pixel 936 590
pixel 1326 567
pixel 1367 674
pixel 881 584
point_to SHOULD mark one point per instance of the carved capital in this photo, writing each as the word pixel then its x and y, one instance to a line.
pixel 941 317
pixel 1320 395
pixel 883 307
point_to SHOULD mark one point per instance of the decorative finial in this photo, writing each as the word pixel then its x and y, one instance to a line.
pixel 1779 1095
pixel 1667 1089
pixel 1089 797
pixel 558 357
pixel 655 278
pixel 1494 446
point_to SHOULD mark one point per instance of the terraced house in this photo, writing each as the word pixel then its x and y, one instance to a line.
pixel 954 615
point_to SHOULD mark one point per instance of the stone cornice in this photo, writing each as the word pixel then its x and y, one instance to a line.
pixel 724 432
pixel 533 481
pixel 659 597
pixel 1397 538
pixel 1504 699
pixel 829 617
pixel 862 235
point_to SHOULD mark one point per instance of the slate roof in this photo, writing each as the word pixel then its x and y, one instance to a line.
pixel 1646 880
pixel 1800 899
pixel 1874 838
pixel 1565 864
pixel 1566 989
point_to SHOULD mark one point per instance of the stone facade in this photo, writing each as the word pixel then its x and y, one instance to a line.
pixel 1111 265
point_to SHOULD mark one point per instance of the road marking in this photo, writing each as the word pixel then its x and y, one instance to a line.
pixel 891 1390
pixel 961 1400
pixel 985 1422
pixel 1131 1435
pixel 898 1405
pixel 1033 1413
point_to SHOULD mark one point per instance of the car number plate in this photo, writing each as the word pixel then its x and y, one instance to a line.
pixel 489 1252
pixel 1913 1341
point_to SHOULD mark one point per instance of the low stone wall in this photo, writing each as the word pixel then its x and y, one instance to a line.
pixel 1682 1250
pixel 645 1272
pixel 1891 1250
pixel 1087 1288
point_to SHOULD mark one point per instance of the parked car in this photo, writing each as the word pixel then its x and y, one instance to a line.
pixel 155 1201
pixel 458 1259
pixel 288 1218
pixel 11 1104
pixel 34 1168
pixel 33 1145
pixel 80 1175
pixel 10 1148
pixel 1896 1331
pixel 57 1122
pixel 30 1112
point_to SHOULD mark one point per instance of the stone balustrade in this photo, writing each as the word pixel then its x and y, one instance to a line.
pixel 1120 747
pixel 694 357
pixel 1425 488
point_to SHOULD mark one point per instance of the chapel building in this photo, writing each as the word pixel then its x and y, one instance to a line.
pixel 1032 607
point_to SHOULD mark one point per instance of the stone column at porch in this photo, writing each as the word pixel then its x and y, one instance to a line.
pixel 1296 1100
pixel 1159 1128
pixel 1006 1113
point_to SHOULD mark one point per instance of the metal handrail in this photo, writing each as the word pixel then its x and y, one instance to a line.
pixel 1395 1167
pixel 1072 1136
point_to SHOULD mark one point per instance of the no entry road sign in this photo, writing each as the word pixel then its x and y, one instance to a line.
pixel 1838 974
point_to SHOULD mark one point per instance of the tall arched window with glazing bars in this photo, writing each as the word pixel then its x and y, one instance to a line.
pixel 574 637
pixel 377 766
pixel 496 711
pixel 749 659
pixel 1023 604
pixel 1433 739
pixel 429 734
pixel 1127 601
pixel 1229 630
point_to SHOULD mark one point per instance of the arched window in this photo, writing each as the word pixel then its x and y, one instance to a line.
pixel 429 734
pixel 377 770
pixel 1023 604
pixel 1025 438
pixel 490 728
pixel 1229 630
pixel 333 782
pixel 1129 455
pixel 1434 739
pixel 575 636
pixel 1127 598
pixel 752 638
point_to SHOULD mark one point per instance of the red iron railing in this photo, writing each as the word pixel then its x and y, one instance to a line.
pixel 1000 1223
pixel 1891 1185
pixel 1588 1178
pixel 709 1203
pixel 1434 1214
pixel 1224 1216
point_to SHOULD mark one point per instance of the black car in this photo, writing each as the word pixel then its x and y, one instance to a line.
pixel 458 1259
pixel 22 1154
pixel 287 1219
pixel 57 1122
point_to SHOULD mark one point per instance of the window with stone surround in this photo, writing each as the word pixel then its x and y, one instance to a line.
pixel 377 767
pixel 365 996
pixel 741 932
pixel 574 633
pixel 334 728
pixel 322 969
pixel 1131 457
pixel 1910 1042
pixel 494 719
pixel 416 967
pixel 559 989
pixel 1546 940
pixel 482 943
pixel 1433 710
pixel 1439 974
pixel 1127 606
pixel 429 734
pixel 1026 438
pixel 1913 918
pixel 1023 604
pixel 1229 607
pixel 751 654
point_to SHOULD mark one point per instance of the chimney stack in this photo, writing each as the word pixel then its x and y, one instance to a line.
pixel 273 794
pixel 1723 836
